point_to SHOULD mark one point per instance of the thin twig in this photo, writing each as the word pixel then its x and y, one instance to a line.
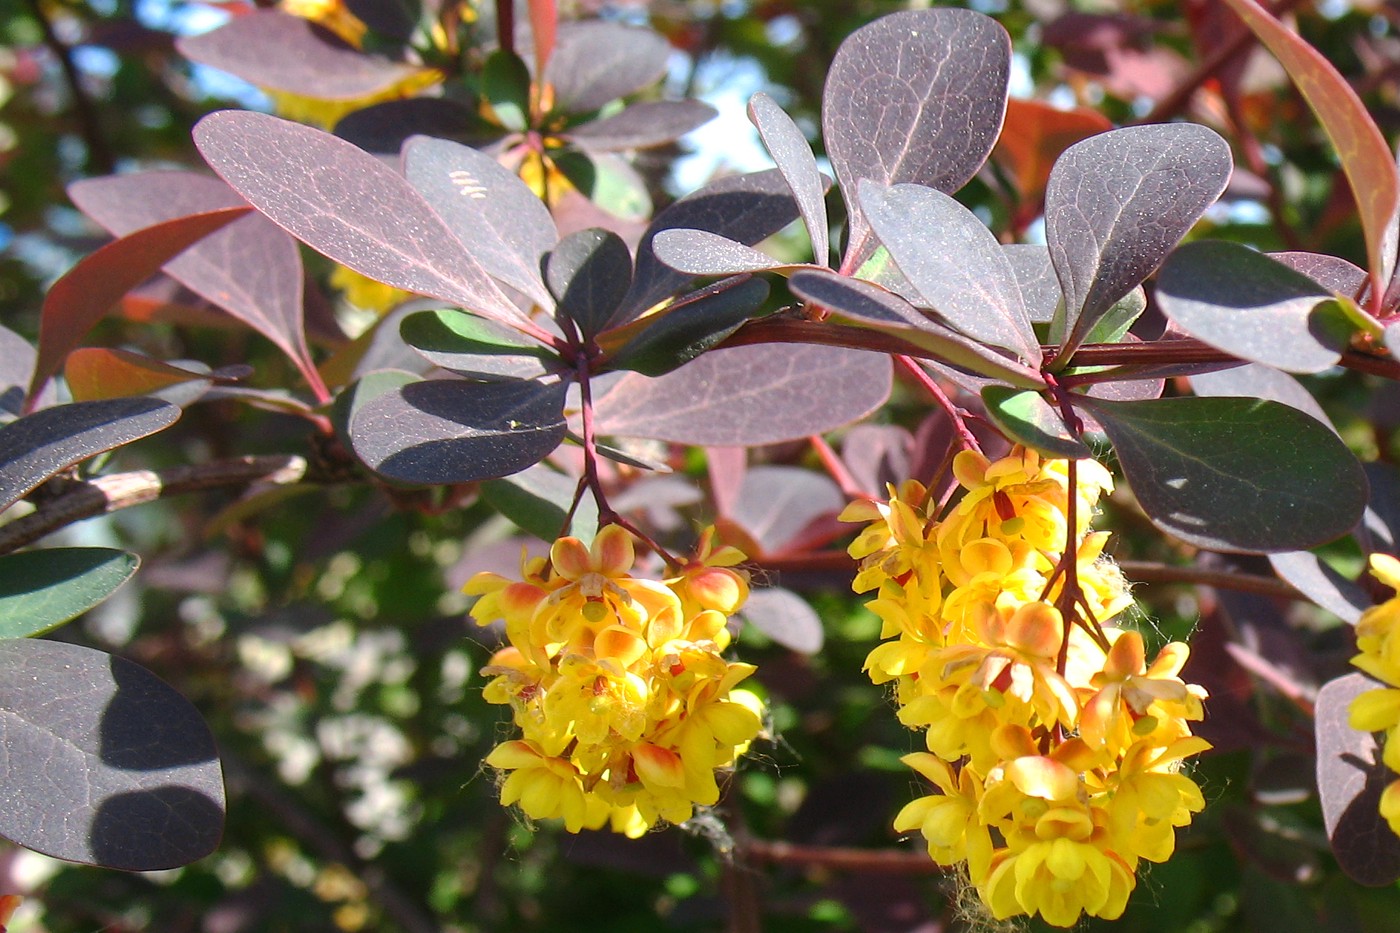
pixel 841 858
pixel 1151 572
pixel 74 500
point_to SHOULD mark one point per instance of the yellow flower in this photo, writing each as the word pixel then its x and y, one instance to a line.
pixel 545 787
pixel 949 821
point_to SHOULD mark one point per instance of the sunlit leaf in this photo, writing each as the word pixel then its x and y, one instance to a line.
pixel 1258 381
pixel 508 228
pixel 786 618
pixel 699 252
pixel 453 431
pixel 917 96
pixel 794 158
pixel 105 764
pixel 642 125
pixel 954 262
pixel 41 590
pixel 744 208
pixel 750 395
pixel 349 205
pixel 869 305
pixel 1245 303
pixel 1234 474
pixel 37 446
pixel 1115 206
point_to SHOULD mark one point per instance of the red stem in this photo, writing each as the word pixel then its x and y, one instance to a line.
pixel 965 436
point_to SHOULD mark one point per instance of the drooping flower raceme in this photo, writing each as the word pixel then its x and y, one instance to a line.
pixel 1378 640
pixel 625 705
pixel 1056 754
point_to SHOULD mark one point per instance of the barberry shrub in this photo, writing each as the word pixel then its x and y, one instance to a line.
pixel 1030 329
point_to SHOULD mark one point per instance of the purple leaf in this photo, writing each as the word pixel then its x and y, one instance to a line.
pixel 1331 272
pixel 954 262
pixel 1350 779
pixel 508 227
pixel 870 305
pixel 589 273
pixel 877 454
pixel 642 125
pixel 745 208
pixel 1035 279
pixel 699 252
pixel 288 53
pixel 454 431
pixel 793 155
pixel 914 97
pixel 1245 303
pixel 786 618
pixel 345 203
pixel 748 396
pixel 250 268
pixel 597 62
pixel 1323 585
pixel 104 763
pixel 37 446
pixel 1115 206
pixel 383 128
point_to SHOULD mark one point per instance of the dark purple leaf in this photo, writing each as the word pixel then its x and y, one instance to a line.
pixel 699 252
pixel 344 202
pixel 104 763
pixel 1350 779
pixel 1323 585
pixel 1381 524
pixel 642 125
pixel 507 225
pixel 1234 474
pixel 1118 202
pixel 1258 381
pixel 250 268
pixel 1035 279
pixel 954 262
pixel 597 62
pixel 383 128
pixel 589 273
pixel 914 97
pixel 776 503
pixel 391 19
pixel 746 208
pixel 869 305
pixel 1245 303
pixel 786 618
pixel 793 155
pixel 83 295
pixel 747 396
pixel 537 500
pixel 37 446
pixel 683 330
pixel 452 431
pixel 288 53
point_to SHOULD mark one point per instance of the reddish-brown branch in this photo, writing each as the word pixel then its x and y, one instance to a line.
pixel 840 858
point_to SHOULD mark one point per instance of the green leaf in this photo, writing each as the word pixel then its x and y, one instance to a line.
pixel 1028 418
pixel 1235 474
pixel 1114 324
pixel 505 80
pixel 538 498
pixel 40 590
pixel 474 346
pixel 681 332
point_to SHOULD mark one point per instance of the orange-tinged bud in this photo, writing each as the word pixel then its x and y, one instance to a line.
pixel 657 766
pixel 612 552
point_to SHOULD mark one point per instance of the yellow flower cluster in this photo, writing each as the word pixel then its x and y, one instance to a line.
pixel 625 705
pixel 1056 753
pixel 1378 639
